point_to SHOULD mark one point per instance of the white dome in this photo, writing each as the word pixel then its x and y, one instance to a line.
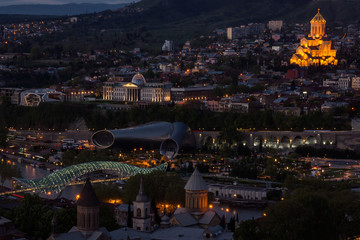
pixel 138 79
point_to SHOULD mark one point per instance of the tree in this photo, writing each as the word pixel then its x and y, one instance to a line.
pixel 68 157
pixel 314 214
pixel 232 224
pixel 202 167
pixel 129 216
pixel 155 210
pixel 35 53
pixel 107 191
pixel 33 217
pixel 248 230
pixel 223 221
pixel 66 219
pixel 160 186
pixel 107 218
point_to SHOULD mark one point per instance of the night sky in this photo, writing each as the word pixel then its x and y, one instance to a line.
pixel 16 2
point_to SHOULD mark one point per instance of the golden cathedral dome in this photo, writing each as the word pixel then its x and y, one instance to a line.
pixel 318 18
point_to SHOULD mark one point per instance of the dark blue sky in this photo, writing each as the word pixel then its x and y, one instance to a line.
pixel 16 2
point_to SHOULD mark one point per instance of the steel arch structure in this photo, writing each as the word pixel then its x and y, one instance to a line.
pixel 57 181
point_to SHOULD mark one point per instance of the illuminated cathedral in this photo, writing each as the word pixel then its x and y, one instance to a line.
pixel 315 49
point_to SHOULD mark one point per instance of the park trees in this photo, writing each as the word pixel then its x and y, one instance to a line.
pixel 162 187
pixel 33 217
pixel 314 210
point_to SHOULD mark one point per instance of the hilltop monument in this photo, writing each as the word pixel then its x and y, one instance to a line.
pixel 315 49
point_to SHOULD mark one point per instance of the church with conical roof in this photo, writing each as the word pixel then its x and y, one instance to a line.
pixel 315 49
pixel 196 197
pixel 196 211
pixel 87 218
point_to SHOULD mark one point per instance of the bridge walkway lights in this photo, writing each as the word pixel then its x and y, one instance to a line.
pixel 57 181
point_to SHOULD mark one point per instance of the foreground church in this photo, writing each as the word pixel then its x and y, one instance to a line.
pixel 196 212
pixel 87 219
pixel 315 49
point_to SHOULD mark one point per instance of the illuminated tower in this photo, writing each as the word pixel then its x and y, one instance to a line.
pixel 87 210
pixel 317 30
pixel 315 49
pixel 141 218
pixel 196 193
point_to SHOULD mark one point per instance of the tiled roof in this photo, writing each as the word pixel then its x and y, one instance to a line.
pixel 196 182
pixel 88 197
pixel 185 219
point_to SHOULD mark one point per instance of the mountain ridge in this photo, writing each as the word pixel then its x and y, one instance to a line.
pixel 59 10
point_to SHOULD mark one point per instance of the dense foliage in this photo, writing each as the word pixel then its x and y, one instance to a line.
pixel 59 116
pixel 308 151
pixel 159 186
pixel 311 210
pixel 74 156
pixel 35 218
pixel 107 191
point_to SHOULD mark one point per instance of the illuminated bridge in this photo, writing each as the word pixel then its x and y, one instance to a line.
pixel 57 181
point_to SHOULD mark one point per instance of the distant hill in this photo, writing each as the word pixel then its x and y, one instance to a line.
pixel 148 23
pixel 228 12
pixel 181 19
pixel 59 10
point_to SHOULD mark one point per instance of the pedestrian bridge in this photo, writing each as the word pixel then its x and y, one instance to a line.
pixel 57 181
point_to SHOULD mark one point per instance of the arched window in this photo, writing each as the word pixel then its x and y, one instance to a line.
pixel 138 212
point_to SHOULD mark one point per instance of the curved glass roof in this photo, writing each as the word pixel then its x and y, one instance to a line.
pixel 138 79
pixel 57 181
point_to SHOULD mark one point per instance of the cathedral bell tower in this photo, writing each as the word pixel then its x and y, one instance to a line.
pixel 141 217
pixel 317 30
pixel 87 210
pixel 196 193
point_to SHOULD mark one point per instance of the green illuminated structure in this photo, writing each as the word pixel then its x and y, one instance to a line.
pixel 57 181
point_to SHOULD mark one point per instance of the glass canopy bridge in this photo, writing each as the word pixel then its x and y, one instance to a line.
pixel 57 181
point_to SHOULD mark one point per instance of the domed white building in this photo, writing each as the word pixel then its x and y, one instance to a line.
pixel 138 90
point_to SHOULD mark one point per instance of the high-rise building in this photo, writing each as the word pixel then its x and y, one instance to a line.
pixel 275 25
pixel 315 49
pixel 168 46
pixel 229 33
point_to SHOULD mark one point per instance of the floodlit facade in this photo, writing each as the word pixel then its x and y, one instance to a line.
pixel 315 50
pixel 33 97
pixel 137 90
pixel 275 25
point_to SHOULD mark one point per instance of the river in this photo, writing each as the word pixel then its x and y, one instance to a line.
pixel 70 192
pixel 30 172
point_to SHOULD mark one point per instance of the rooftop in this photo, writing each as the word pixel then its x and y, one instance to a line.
pixel 318 18
pixel 141 197
pixel 88 197
pixel 196 182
